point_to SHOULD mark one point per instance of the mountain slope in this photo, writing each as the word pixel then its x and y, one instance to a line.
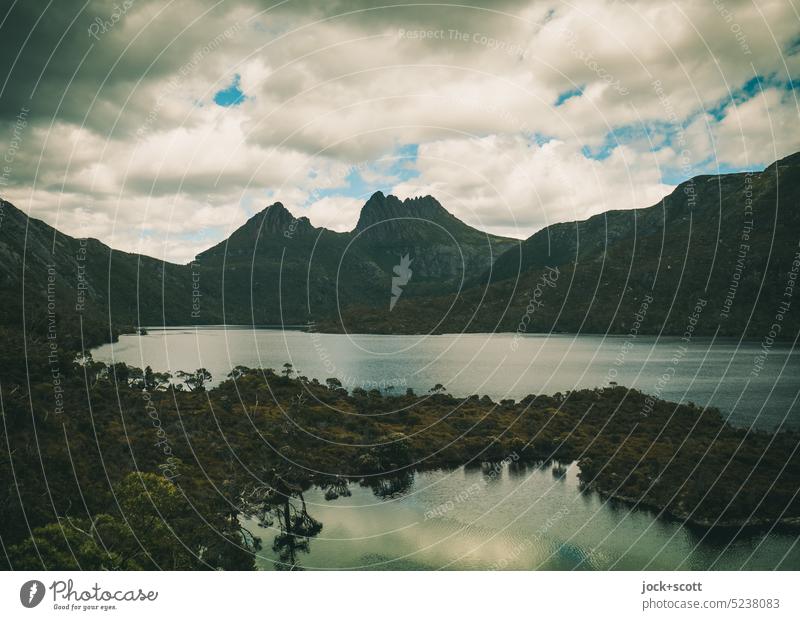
pixel 278 269
pixel 444 250
pixel 54 283
pixel 722 247
pixel 274 269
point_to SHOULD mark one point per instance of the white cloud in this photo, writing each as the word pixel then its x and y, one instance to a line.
pixel 324 95
pixel 506 185
pixel 338 213
pixel 761 130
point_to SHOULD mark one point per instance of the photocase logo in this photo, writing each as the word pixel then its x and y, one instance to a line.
pixel 31 593
pixel 402 274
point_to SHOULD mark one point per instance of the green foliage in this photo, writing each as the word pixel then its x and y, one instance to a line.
pixel 69 544
pixel 195 381
pixel 162 489
pixel 154 527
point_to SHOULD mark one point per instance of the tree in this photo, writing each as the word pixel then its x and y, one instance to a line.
pixel 121 372
pixel 288 370
pixel 239 371
pixel 155 380
pixel 153 526
pixel 93 371
pixel 281 500
pixel 158 528
pixel 65 545
pixel 361 400
pixel 393 485
pixel 136 377
pixel 154 529
pixel 392 452
pixel 195 381
pixel 335 487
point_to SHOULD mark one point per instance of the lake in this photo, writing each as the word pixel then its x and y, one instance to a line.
pixel 516 517
pixel 513 518
pixel 762 392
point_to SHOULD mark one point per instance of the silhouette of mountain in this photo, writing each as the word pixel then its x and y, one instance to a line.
pixel 81 290
pixel 716 256
pixel 444 249
pixel 274 269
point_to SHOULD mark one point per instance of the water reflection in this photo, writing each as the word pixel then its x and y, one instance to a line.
pixel 390 487
pixel 280 503
pixel 520 517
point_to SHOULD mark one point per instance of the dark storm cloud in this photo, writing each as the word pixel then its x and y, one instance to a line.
pixel 84 60
pixel 81 62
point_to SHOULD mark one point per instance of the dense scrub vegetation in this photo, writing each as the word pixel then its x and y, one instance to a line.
pixel 120 468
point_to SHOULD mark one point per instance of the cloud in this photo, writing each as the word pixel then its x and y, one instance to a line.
pixel 757 131
pixel 121 109
pixel 338 213
pixel 507 185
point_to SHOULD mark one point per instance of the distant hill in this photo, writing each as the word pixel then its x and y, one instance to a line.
pixel 278 269
pixel 718 247
pixel 721 247
pixel 274 269
pixel 80 289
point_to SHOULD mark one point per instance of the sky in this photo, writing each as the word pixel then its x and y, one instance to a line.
pixel 160 127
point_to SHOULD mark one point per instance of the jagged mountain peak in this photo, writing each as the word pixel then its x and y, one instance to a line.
pixel 382 208
pixel 275 207
pixel 273 215
pixel 274 220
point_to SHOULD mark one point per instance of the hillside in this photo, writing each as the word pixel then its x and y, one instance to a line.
pixel 80 289
pixel 278 269
pixel 720 246
pixel 274 269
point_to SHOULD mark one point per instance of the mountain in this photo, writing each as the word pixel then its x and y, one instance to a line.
pixel 274 269
pixel 278 269
pixel 716 256
pixel 80 290
pixel 442 247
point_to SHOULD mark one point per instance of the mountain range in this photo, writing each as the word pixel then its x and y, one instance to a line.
pixel 714 257
pixel 717 256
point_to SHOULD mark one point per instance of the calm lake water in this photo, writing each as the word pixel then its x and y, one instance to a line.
pixel 722 374
pixel 518 517
pixel 513 519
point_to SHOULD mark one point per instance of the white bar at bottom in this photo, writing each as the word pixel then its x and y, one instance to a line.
pixel 404 595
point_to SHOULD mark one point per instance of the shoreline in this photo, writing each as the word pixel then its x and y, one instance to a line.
pixel 131 331
pixel 758 525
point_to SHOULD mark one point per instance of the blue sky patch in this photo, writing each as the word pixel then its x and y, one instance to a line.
pixel 539 139
pixel 395 168
pixel 230 96
pixel 793 47
pixel 671 175
pixel 568 94
pixel 747 91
